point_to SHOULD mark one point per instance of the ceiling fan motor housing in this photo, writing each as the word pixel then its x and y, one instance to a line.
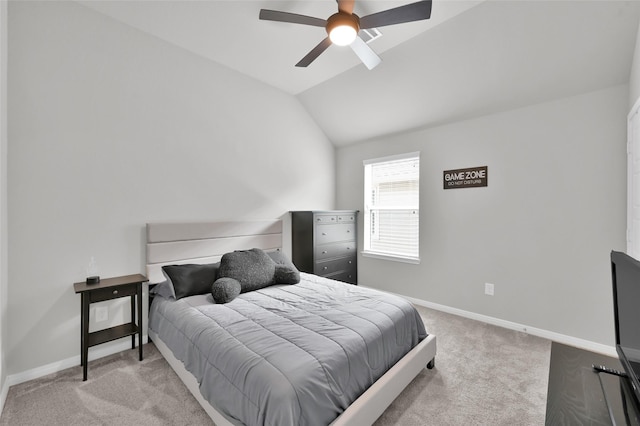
pixel 343 19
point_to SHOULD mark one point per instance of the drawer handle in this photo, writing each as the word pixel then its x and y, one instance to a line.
pixel 348 248
pixel 115 291
pixel 350 262
pixel 348 231
pixel 324 233
pixel 325 268
pixel 324 252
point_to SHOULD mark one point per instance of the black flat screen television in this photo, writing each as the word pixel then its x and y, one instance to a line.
pixel 625 272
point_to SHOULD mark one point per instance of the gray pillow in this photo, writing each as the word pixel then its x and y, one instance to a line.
pixel 189 280
pixel 224 290
pixel 286 272
pixel 164 289
pixel 253 269
pixel 286 275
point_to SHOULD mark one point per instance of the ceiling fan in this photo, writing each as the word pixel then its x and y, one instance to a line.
pixel 342 27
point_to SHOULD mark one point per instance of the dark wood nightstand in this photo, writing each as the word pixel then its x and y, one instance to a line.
pixel 107 289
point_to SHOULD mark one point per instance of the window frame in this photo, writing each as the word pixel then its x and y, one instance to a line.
pixel 367 234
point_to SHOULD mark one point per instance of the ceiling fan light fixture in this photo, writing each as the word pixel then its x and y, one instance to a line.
pixel 343 35
pixel 342 28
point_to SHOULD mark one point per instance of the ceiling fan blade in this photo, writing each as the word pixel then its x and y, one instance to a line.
pixel 276 15
pixel 365 53
pixel 398 15
pixel 315 52
pixel 346 6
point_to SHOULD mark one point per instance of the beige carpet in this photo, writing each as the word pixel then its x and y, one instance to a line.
pixel 120 390
pixel 484 375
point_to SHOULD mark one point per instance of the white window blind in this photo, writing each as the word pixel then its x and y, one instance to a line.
pixel 392 215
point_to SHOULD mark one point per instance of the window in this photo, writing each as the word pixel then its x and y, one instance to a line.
pixel 391 207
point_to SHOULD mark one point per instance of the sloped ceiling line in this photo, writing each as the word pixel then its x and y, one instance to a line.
pixel 471 58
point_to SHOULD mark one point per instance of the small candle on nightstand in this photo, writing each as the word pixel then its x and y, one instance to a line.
pixel 92 272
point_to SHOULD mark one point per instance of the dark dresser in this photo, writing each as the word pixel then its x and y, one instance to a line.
pixel 324 243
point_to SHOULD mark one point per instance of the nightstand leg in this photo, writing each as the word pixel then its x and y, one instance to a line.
pixel 133 318
pixel 84 338
pixel 140 319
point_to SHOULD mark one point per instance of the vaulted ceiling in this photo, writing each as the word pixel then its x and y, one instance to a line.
pixel 471 58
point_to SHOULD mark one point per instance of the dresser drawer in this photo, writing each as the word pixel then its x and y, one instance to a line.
pixel 109 293
pixel 331 266
pixel 335 250
pixel 332 233
pixel 346 218
pixel 326 218
pixel 350 277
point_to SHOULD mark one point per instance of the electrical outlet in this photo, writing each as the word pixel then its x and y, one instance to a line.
pixel 102 313
pixel 488 289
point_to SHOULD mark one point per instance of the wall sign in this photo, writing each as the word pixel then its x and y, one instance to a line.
pixel 465 178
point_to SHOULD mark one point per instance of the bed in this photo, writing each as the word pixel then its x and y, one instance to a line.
pixel 336 353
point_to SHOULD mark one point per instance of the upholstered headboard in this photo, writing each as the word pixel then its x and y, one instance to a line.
pixel 205 242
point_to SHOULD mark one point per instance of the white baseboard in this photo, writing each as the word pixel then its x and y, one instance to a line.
pixel 546 334
pixel 94 353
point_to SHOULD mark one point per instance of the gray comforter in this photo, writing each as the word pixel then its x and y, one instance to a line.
pixel 288 354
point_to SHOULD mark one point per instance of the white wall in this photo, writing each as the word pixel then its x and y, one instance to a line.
pixel 112 128
pixel 541 231
pixel 3 195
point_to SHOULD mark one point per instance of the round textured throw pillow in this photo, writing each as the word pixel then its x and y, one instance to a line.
pixel 224 290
